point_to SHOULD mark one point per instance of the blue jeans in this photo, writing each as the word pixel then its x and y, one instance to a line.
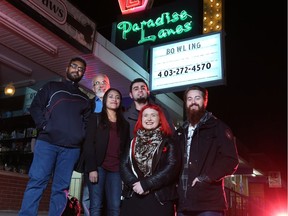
pixel 109 186
pixel 49 161
pixel 202 213
pixel 85 197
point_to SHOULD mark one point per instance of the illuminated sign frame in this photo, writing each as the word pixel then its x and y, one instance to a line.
pixel 179 64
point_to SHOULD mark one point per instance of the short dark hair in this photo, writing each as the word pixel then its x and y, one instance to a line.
pixel 137 80
pixel 196 87
pixel 78 59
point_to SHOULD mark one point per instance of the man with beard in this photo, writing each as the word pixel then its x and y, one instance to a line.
pixel 100 84
pixel 60 112
pixel 209 155
pixel 139 93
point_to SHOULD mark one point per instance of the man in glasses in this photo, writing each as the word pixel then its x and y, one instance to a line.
pixel 100 84
pixel 60 112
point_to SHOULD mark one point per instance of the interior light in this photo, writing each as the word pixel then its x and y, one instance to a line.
pixel 9 89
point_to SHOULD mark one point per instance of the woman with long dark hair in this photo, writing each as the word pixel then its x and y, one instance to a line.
pixel 105 141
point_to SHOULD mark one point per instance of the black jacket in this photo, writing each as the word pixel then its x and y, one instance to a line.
pixel 96 142
pixel 165 173
pixel 213 156
pixel 60 111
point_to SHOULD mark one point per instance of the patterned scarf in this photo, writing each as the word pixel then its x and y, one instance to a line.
pixel 147 143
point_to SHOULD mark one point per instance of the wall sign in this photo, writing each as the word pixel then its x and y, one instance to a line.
pixel 177 65
pixel 63 19
pixel 134 6
pixel 159 25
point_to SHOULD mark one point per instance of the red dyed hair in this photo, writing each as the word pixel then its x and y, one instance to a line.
pixel 164 125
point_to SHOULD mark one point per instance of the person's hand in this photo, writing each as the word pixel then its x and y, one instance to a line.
pixel 93 176
pixel 137 188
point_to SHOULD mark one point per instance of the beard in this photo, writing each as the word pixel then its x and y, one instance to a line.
pixel 141 100
pixel 100 94
pixel 194 116
pixel 75 79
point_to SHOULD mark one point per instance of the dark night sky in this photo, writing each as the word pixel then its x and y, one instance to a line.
pixel 254 100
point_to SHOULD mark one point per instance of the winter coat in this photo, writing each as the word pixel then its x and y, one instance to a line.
pixel 165 172
pixel 213 156
pixel 60 111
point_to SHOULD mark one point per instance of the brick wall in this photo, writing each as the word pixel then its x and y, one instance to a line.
pixel 12 187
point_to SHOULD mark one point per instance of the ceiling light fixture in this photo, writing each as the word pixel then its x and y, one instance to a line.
pixel 16 65
pixel 27 33
pixel 9 89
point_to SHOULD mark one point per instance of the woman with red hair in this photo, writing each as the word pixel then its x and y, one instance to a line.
pixel 150 167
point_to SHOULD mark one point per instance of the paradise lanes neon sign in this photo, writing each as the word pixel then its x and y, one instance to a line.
pixel 162 24
pixel 163 20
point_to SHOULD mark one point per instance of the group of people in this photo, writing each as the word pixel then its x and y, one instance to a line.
pixel 135 162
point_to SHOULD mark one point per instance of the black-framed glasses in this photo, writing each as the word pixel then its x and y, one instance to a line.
pixel 100 83
pixel 77 67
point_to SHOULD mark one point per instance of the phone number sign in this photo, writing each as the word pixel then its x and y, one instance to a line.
pixel 175 66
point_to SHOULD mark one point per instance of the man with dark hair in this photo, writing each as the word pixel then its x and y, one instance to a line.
pixel 139 93
pixel 60 111
pixel 209 154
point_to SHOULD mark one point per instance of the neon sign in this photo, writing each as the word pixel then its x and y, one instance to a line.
pixel 134 6
pixel 174 21
pixel 163 20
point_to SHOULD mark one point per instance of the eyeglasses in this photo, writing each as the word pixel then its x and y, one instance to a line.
pixel 78 68
pixel 100 83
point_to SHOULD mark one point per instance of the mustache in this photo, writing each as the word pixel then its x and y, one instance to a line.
pixel 194 104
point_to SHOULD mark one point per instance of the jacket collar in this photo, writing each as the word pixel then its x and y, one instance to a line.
pixel 207 115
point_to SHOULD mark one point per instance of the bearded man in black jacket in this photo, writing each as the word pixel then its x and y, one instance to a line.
pixel 209 155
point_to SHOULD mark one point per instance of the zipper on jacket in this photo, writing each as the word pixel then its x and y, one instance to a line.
pixel 161 203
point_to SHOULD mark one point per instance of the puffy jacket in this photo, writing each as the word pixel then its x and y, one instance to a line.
pixel 60 111
pixel 165 173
